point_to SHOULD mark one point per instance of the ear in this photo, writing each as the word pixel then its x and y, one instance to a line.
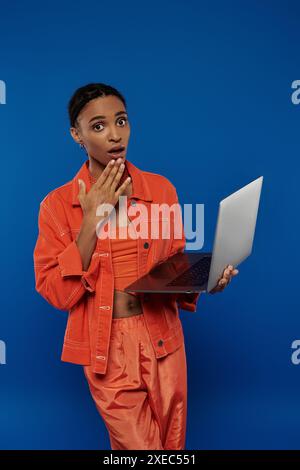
pixel 75 134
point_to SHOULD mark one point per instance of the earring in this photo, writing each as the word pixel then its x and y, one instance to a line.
pixel 83 147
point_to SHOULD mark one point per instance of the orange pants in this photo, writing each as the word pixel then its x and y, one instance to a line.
pixel 142 399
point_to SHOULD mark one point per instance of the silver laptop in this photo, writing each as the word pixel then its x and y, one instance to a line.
pixel 189 272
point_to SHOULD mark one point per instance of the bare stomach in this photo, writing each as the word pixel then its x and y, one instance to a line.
pixel 126 305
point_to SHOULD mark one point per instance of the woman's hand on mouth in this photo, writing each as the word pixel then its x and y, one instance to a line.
pixel 104 193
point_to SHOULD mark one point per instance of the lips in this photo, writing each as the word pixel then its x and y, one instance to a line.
pixel 116 150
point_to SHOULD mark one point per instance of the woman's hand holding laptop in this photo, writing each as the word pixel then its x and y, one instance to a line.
pixel 227 275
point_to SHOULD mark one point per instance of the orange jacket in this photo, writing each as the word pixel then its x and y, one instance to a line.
pixel 88 295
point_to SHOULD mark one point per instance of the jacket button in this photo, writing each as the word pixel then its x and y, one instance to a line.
pixel 146 245
pixel 160 342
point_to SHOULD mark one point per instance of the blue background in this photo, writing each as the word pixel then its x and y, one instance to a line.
pixel 208 87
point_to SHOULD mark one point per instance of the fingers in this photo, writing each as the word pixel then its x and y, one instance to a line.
pixel 229 272
pixel 115 174
pixel 227 275
pixel 118 175
pixel 217 288
pixel 222 283
pixel 105 174
pixel 123 186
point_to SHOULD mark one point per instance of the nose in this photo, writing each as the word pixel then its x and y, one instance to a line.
pixel 114 135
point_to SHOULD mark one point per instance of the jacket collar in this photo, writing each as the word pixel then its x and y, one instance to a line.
pixel 140 187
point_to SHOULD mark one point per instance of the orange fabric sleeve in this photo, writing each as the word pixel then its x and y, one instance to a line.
pixel 59 277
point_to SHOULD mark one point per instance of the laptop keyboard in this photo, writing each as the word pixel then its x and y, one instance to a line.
pixel 194 276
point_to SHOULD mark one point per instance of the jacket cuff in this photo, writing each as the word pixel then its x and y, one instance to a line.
pixel 69 261
pixel 188 301
pixel 70 264
pixel 89 277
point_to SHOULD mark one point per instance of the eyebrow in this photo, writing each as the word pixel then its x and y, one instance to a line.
pixel 104 117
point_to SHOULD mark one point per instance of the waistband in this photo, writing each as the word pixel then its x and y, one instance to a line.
pixel 128 322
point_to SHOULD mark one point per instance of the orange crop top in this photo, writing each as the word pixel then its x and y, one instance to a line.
pixel 124 257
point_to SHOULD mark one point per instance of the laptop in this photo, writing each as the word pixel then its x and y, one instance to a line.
pixel 190 272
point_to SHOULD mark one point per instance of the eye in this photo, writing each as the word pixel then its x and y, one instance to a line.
pixel 96 126
pixel 123 119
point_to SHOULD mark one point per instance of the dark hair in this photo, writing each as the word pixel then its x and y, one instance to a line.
pixel 87 93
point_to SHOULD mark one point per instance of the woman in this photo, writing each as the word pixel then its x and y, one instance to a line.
pixel 131 346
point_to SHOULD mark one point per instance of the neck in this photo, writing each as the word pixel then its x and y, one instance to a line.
pixel 95 167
